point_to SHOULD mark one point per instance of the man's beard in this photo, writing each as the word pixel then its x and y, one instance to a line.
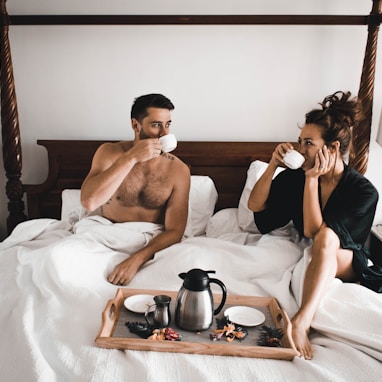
pixel 142 135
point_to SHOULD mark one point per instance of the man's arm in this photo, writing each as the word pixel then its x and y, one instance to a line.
pixel 175 224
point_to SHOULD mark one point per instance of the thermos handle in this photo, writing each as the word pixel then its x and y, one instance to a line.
pixel 224 296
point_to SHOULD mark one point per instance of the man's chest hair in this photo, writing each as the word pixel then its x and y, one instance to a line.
pixel 149 188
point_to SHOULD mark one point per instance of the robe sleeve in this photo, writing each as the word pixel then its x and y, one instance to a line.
pixel 283 203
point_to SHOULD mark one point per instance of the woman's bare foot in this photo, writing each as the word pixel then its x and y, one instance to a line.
pixel 300 337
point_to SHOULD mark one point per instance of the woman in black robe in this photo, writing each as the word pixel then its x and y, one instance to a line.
pixel 328 202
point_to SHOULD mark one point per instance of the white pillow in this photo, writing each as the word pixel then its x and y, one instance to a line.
pixel 223 222
pixel 245 215
pixel 71 203
pixel 201 206
pixel 202 200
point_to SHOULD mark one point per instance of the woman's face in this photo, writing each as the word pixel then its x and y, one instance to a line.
pixel 310 141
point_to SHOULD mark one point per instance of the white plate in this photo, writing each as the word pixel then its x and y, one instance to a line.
pixel 139 302
pixel 244 315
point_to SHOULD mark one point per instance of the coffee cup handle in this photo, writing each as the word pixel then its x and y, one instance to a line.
pixel 147 317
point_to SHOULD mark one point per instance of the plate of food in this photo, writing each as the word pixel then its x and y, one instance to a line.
pixel 139 303
pixel 244 315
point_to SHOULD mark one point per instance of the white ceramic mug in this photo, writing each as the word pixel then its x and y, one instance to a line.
pixel 168 142
pixel 293 159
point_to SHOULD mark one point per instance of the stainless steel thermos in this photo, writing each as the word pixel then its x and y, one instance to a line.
pixel 194 309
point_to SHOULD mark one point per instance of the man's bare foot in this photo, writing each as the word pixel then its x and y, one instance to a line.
pixel 301 340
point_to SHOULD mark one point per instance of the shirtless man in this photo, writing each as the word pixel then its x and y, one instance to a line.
pixel 136 182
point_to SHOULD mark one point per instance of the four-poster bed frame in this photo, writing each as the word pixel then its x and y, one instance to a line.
pixel 12 153
pixel 55 296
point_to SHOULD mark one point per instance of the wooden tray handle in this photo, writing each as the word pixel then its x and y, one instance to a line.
pixel 283 322
pixel 110 311
pixel 109 318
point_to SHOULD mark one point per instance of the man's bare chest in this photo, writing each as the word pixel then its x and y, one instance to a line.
pixel 146 187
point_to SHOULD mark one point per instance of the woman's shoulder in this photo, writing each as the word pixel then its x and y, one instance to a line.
pixel 352 176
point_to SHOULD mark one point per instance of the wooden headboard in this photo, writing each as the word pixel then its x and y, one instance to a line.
pixel 69 162
pixel 68 172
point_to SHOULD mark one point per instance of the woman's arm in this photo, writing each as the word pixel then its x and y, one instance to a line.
pixel 312 213
pixel 311 207
pixel 260 192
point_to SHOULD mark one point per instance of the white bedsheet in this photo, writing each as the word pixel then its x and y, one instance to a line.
pixel 53 289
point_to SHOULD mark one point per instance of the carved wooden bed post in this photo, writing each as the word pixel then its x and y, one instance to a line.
pixel 361 134
pixel 10 128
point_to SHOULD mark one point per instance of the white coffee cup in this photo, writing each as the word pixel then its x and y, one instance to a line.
pixel 168 142
pixel 293 159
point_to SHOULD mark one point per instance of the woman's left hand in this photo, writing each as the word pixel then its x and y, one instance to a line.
pixel 323 163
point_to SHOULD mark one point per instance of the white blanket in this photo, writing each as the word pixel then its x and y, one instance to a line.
pixel 54 288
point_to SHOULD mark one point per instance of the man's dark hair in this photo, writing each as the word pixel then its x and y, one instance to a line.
pixel 142 103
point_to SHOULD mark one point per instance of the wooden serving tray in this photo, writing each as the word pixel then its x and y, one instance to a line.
pixel 115 335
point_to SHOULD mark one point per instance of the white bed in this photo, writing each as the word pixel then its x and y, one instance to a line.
pixel 53 266
pixel 54 290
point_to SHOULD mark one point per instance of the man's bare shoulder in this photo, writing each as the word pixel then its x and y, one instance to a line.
pixel 181 168
pixel 115 147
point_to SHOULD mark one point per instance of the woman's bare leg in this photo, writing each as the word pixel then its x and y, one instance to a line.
pixel 328 261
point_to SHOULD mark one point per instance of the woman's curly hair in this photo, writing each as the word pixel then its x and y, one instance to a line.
pixel 337 117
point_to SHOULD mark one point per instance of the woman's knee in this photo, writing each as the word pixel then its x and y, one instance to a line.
pixel 326 238
pixel 327 247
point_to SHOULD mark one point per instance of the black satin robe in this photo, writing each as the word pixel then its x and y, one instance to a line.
pixel 349 212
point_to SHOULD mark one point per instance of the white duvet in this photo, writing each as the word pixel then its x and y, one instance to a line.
pixel 53 289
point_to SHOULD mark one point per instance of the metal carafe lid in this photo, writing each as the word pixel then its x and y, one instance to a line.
pixel 196 279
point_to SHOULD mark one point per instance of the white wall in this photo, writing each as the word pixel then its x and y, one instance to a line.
pixel 227 82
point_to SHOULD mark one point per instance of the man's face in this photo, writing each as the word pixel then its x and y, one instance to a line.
pixel 155 124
